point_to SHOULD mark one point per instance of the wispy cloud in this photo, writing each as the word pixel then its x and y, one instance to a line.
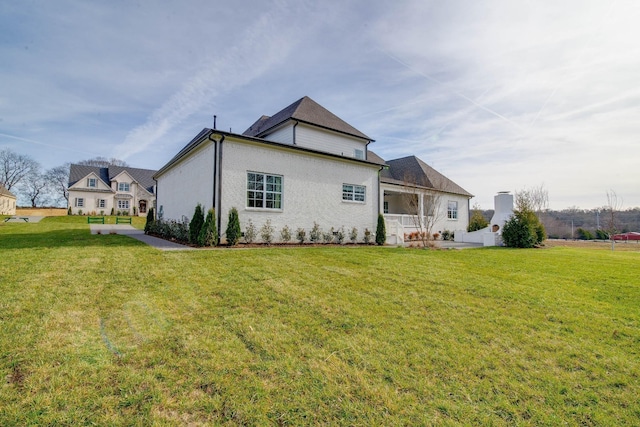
pixel 259 47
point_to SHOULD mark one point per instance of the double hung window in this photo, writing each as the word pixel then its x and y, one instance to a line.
pixel 264 191
pixel 353 193
pixel 452 210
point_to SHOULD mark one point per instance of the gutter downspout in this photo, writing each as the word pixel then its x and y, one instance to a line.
pixel 215 164
pixel 380 170
pixel 155 210
pixel 217 178
pixel 366 150
pixel 294 132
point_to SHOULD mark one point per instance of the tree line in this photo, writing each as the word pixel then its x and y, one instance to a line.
pixel 37 187
pixel 576 223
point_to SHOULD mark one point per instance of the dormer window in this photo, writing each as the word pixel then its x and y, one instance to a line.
pixel 123 186
pixel 92 182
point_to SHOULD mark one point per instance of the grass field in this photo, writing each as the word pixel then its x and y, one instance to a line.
pixel 101 329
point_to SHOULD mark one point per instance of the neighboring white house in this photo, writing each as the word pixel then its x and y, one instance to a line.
pixel 7 201
pixel 301 166
pixel 115 189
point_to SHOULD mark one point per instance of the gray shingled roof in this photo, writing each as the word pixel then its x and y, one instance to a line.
pixel 5 192
pixel 412 170
pixel 143 176
pixel 308 111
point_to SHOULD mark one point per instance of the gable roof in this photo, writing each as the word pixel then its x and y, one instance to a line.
pixel 412 170
pixel 144 177
pixel 5 192
pixel 308 111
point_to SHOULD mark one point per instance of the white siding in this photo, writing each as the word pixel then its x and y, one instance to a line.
pixel 186 184
pixel 312 189
pixel 284 135
pixel 330 142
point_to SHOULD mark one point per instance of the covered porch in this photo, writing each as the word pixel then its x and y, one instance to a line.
pixel 403 212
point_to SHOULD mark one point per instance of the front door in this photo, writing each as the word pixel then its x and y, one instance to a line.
pixel 143 206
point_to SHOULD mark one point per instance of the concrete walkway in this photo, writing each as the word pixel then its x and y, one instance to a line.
pixel 128 230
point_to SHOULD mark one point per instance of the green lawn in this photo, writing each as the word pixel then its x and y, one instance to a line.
pixel 101 329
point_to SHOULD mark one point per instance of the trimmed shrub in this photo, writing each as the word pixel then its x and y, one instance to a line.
pixel 381 233
pixel 233 228
pixel 541 233
pixel 328 236
pixel 601 235
pixel 518 232
pixel 250 233
pixel 196 224
pixel 150 220
pixel 301 235
pixel 208 234
pixel 340 235
pixel 584 234
pixel 353 235
pixel 266 232
pixel 367 236
pixel 285 234
pixel 316 233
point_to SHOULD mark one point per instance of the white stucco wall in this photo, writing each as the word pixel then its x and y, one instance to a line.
pixel 312 188
pixel 461 222
pixel 188 183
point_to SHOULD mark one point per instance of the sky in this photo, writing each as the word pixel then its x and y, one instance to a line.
pixel 498 95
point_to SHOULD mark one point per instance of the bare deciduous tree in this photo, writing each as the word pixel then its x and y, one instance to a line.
pixel 103 162
pixel 35 186
pixel 424 207
pixel 15 167
pixel 614 204
pixel 535 199
pixel 58 179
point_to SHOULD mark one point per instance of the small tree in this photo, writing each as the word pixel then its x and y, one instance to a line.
pixel 381 233
pixel 266 232
pixel 285 234
pixel 611 212
pixel 367 236
pixel 196 224
pixel 328 236
pixel 250 232
pixel 424 202
pixel 316 233
pixel 518 233
pixel 233 231
pixel 353 235
pixel 477 220
pixel 150 220
pixel 301 235
pixel 208 234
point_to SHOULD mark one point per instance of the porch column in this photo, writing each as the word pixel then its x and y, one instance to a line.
pixel 421 208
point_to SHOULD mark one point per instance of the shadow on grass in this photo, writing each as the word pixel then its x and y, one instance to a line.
pixel 64 238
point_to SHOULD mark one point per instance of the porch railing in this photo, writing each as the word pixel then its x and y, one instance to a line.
pixel 407 221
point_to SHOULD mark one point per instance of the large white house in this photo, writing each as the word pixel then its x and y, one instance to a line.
pixel 110 190
pixel 7 201
pixel 301 166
